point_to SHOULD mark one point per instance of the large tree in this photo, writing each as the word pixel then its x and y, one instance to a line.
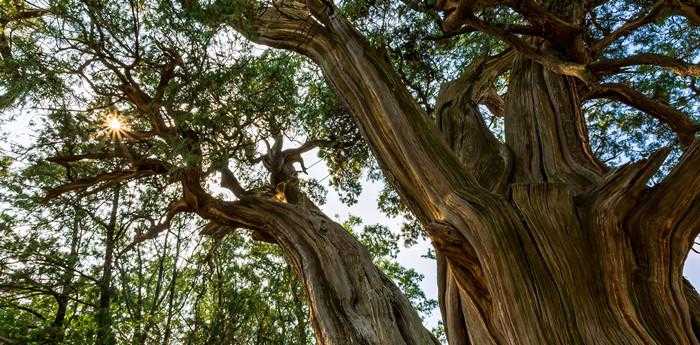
pixel 538 240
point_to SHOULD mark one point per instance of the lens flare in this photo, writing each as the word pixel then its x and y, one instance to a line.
pixel 114 124
pixel 115 128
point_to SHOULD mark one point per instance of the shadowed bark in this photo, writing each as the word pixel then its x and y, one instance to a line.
pixel 103 315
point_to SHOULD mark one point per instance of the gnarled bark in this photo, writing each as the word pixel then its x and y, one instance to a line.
pixel 351 300
pixel 545 128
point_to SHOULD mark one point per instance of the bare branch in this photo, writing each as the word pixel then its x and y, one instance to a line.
pixel 99 182
pixel 306 147
pixel 66 159
pixel 230 182
pixel 622 187
pixel 175 208
pixel 24 308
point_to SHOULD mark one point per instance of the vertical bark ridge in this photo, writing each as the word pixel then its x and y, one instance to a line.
pixel 548 209
pixel 545 128
pixel 643 274
pixel 664 226
pixel 454 321
pixel 693 299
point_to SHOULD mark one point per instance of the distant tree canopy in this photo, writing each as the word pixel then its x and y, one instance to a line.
pixel 548 150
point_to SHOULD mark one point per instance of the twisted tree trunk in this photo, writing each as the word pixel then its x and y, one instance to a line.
pixel 537 242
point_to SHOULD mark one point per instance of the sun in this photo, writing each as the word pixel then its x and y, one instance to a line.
pixel 115 124
pixel 115 128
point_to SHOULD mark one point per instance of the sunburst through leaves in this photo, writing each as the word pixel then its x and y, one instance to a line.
pixel 115 128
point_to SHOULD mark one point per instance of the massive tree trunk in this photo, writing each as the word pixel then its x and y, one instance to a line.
pixel 575 265
pixel 556 249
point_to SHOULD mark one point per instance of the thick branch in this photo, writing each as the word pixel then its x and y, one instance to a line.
pixel 623 187
pixel 677 199
pixel 547 59
pixel 460 121
pixel 678 66
pixel 679 122
pixel 534 12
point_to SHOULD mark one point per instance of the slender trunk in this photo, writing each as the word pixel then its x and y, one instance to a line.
pixel 172 291
pixel 103 316
pixel 58 325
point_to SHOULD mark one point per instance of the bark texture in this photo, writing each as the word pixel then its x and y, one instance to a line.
pixel 351 301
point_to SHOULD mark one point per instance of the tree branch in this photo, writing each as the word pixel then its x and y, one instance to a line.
pixel 100 182
pixel 230 182
pixel 642 19
pixel 66 159
pixel 535 13
pixel 679 122
pixel 176 207
pixel 551 61
pixel 461 123
pixel 680 67
pixel 687 8
pixel 676 199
